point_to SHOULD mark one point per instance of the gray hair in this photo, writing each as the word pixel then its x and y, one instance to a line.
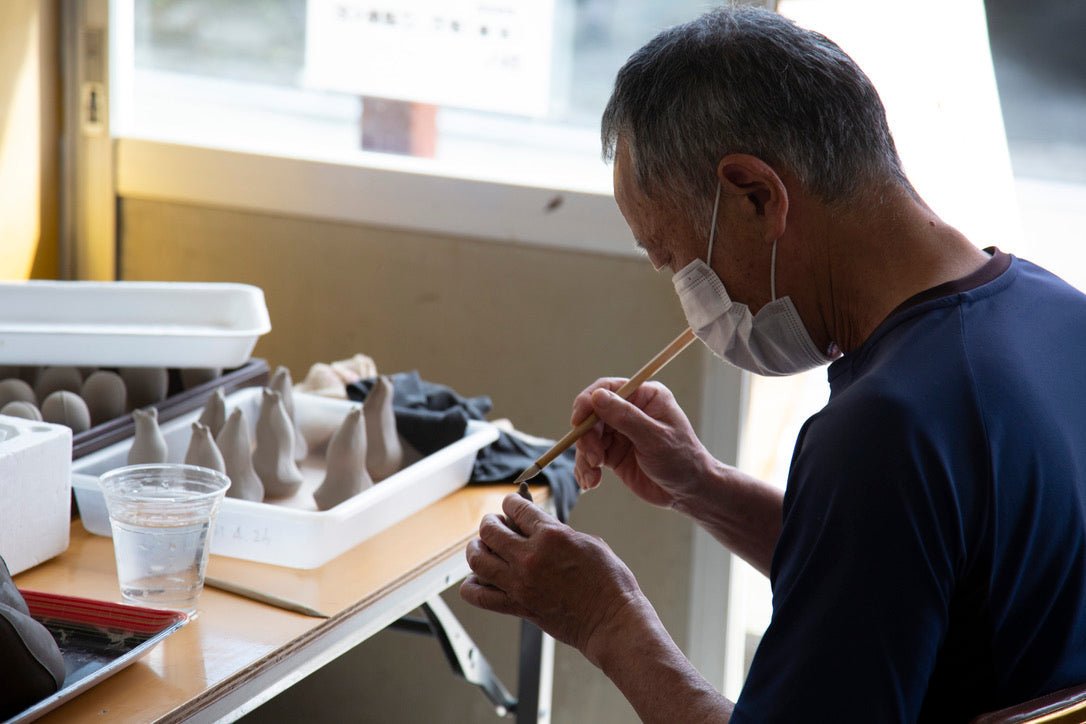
pixel 742 79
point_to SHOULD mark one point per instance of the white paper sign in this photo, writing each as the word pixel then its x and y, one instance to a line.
pixel 493 56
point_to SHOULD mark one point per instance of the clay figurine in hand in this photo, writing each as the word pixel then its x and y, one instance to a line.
pixel 202 449
pixel 104 393
pixel 66 408
pixel 214 413
pixel 31 667
pixel 145 385
pixel 345 463
pixel 148 445
pixel 273 458
pixel 281 383
pixel 13 389
pixel 236 448
pixel 18 408
pixel 384 453
pixel 55 378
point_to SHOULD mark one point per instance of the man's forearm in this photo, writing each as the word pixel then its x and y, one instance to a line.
pixel 741 512
pixel 657 679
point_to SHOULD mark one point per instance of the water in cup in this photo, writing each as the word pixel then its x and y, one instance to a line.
pixel 161 516
pixel 161 566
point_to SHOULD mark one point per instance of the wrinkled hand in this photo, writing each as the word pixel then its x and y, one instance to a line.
pixel 570 584
pixel 646 439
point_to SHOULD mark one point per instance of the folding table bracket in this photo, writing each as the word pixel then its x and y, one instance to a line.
pixel 465 658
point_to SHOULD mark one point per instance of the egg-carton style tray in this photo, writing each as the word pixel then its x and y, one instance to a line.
pixel 291 532
pixel 179 401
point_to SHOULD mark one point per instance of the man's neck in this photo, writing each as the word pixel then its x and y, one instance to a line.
pixel 877 259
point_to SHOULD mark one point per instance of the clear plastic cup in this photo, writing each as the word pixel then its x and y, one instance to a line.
pixel 161 516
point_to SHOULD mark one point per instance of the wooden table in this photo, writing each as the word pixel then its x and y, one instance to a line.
pixel 237 653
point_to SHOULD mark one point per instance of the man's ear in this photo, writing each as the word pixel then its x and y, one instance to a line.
pixel 760 192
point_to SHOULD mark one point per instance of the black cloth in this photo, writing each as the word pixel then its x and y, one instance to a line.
pixel 430 416
pixel 31 666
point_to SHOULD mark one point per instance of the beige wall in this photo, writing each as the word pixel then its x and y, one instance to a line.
pixel 28 139
pixel 528 326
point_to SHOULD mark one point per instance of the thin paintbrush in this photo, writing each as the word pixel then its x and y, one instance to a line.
pixel 652 367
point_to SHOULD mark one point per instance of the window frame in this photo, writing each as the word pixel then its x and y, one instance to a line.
pixel 388 195
pixel 360 187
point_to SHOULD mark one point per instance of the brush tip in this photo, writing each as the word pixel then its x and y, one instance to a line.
pixel 528 474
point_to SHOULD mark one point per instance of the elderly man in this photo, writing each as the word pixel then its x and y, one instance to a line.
pixel 928 557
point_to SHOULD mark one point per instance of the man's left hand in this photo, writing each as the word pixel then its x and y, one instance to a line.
pixel 568 583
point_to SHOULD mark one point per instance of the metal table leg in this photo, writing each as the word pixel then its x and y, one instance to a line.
pixel 532 703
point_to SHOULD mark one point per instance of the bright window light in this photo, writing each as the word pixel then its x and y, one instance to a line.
pixel 328 80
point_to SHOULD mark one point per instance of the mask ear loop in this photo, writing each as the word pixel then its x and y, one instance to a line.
pixel 773 272
pixel 712 229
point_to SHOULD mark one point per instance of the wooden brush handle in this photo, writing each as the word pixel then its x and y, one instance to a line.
pixel 653 366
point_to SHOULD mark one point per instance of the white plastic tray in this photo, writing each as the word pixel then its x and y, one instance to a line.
pixel 130 324
pixel 292 532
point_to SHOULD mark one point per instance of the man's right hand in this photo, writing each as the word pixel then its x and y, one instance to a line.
pixel 646 439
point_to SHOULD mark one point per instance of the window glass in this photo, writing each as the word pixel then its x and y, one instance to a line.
pixel 1040 68
pixel 232 73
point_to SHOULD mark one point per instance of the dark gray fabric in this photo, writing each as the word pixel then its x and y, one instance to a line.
pixel 31 667
pixel 430 416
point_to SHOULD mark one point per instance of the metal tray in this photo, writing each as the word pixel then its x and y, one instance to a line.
pixel 96 638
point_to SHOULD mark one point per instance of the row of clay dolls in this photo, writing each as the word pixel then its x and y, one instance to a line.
pixel 364 449
pixel 80 398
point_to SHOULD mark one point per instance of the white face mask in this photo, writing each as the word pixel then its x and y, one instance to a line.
pixel 772 343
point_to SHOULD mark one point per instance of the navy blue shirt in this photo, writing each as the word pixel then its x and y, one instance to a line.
pixel 932 562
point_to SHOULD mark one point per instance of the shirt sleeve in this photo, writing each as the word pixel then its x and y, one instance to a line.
pixel 862 574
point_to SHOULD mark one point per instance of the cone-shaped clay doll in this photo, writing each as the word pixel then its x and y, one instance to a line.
pixel 105 395
pixel 20 408
pixel 13 389
pixel 273 458
pixel 66 408
pixel 281 383
pixel 202 449
pixel 59 377
pixel 345 463
pixel 236 447
pixel 148 445
pixel 194 376
pixel 384 453
pixel 214 412
pixel 145 385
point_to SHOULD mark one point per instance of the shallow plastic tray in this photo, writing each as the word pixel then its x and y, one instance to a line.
pixel 292 532
pixel 132 324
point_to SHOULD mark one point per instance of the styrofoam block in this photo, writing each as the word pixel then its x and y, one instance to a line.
pixel 35 491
